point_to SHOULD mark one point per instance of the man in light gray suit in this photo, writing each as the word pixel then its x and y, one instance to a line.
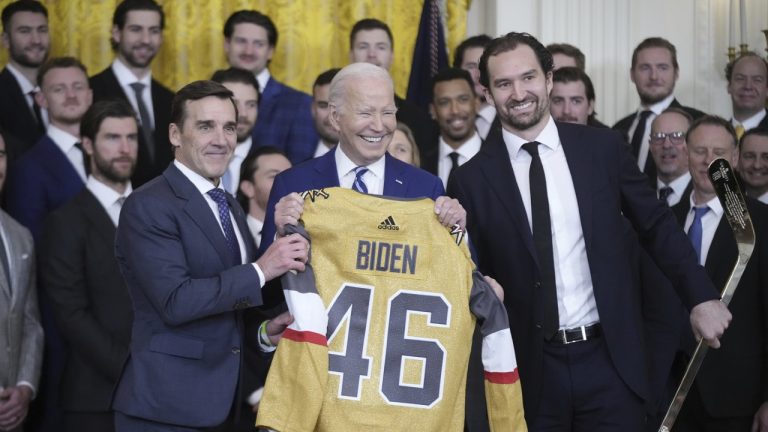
pixel 21 335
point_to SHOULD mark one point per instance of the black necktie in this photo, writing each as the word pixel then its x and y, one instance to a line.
pixel 637 137
pixel 542 238
pixel 665 192
pixel 454 162
pixel 38 113
pixel 146 122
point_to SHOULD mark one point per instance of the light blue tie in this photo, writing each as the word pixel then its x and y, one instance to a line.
pixel 696 229
pixel 359 184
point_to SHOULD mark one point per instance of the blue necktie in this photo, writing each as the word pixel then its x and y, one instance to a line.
pixel 220 198
pixel 696 229
pixel 359 184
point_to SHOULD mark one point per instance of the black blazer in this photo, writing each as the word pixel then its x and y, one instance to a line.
pixel 90 301
pixel 106 86
pixel 733 380
pixel 16 119
pixel 607 183
pixel 429 160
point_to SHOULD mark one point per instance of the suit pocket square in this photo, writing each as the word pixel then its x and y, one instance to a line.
pixel 167 343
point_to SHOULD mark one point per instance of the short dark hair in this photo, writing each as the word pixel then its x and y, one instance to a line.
pixel 367 24
pixel 15 7
pixel 450 74
pixel 249 167
pixel 729 67
pixel 325 78
pixel 679 111
pixel 121 12
pixel 479 41
pixel 656 42
pixel 509 42
pixel 59 63
pixel 251 17
pixel 758 131
pixel 570 51
pixel 101 110
pixel 193 91
pixel 712 120
pixel 237 75
pixel 572 74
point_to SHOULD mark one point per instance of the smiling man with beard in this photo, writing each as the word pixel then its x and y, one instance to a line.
pixel 547 205
pixel 25 36
pixel 453 107
pixel 137 34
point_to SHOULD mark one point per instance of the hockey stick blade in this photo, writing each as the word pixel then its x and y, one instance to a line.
pixel 727 188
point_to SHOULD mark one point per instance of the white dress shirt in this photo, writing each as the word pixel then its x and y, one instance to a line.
pixel 203 185
pixel 373 179
pixel 466 152
pixel 263 78
pixel 709 223
pixel 678 186
pixel 108 197
pixel 66 143
pixel 751 122
pixel 255 226
pixel 233 170
pixel 321 149
pixel 484 119
pixel 575 296
pixel 645 146
pixel 125 77
pixel 763 198
pixel 26 88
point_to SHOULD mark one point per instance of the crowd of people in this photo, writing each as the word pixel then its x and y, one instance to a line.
pixel 144 230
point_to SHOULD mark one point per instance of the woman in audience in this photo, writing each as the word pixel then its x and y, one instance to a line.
pixel 403 145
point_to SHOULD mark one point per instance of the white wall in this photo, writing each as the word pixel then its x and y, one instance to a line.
pixel 608 30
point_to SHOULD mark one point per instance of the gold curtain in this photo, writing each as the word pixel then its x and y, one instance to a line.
pixel 313 35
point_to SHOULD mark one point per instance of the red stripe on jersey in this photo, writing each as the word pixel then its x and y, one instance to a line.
pixel 310 337
pixel 500 377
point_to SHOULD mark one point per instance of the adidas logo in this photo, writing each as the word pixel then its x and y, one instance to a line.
pixel 389 224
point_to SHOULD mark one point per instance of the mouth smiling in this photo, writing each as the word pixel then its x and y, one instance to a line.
pixel 371 139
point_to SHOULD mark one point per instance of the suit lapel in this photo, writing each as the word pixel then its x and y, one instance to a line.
pixel 58 164
pixel 325 166
pixel 501 180
pixel 395 184
pixel 580 161
pixel 97 216
pixel 242 226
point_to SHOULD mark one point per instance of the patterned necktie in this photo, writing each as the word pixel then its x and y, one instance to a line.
pixel 665 192
pixel 220 198
pixel 146 122
pixel 696 230
pixel 359 184
pixel 739 131
pixel 542 239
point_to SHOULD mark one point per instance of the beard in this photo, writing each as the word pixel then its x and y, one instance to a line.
pixel 21 57
pixel 108 170
pixel 523 123
pixel 132 60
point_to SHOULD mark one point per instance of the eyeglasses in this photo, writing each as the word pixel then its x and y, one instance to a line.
pixel 657 138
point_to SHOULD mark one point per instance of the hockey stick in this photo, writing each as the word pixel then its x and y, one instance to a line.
pixel 735 209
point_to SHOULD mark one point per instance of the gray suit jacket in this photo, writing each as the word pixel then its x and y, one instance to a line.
pixel 20 329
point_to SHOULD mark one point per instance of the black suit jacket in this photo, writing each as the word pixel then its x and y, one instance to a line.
pixel 106 86
pixel 422 126
pixel 429 160
pixel 733 380
pixel 16 119
pixel 607 184
pixel 90 301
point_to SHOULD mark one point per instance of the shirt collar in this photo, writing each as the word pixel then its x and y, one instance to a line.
pixel 201 183
pixel 547 137
pixel 678 185
pixel 487 112
pixel 105 194
pixel 263 78
pixel 63 139
pixel 242 149
pixel 713 204
pixel 751 122
pixel 24 83
pixel 125 77
pixel 660 106
pixel 468 149
pixel 344 164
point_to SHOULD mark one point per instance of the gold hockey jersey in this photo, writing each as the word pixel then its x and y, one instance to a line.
pixel 384 316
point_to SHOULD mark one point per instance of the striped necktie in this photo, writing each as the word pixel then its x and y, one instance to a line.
pixel 359 184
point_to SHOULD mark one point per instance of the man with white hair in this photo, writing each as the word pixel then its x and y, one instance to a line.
pixel 362 102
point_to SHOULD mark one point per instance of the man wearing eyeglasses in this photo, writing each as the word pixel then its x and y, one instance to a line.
pixel 667 145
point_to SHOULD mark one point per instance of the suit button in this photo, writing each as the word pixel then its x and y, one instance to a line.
pixel 235 350
pixel 537 285
pixel 538 326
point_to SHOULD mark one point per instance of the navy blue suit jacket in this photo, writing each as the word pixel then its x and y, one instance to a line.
pixel 188 295
pixel 400 180
pixel 608 187
pixel 285 122
pixel 41 180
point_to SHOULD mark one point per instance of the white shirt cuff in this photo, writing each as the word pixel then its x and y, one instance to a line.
pixel 262 280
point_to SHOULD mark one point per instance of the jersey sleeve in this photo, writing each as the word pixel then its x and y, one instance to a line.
pixel 298 376
pixel 503 393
